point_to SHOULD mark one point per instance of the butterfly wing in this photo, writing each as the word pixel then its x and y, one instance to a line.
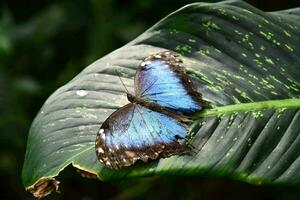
pixel 161 78
pixel 136 133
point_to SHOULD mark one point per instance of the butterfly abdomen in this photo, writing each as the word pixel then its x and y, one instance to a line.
pixel 158 108
pixel 143 102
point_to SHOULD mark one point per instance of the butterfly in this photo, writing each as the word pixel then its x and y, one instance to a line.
pixel 152 125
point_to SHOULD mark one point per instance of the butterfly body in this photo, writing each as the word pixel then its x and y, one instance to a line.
pixel 144 102
pixel 157 107
pixel 149 127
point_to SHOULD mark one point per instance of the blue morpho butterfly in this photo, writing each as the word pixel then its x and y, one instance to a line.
pixel 153 123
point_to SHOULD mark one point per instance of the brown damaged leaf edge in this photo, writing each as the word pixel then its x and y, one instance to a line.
pixel 86 174
pixel 44 187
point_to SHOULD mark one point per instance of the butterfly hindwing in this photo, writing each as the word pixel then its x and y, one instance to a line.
pixel 136 133
pixel 161 78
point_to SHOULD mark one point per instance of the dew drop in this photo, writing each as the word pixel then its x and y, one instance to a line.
pixel 81 93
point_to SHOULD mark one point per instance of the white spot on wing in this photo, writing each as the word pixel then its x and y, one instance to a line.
pixel 102 135
pixel 105 158
pixel 100 150
pixel 130 153
pixel 143 64
pixel 147 62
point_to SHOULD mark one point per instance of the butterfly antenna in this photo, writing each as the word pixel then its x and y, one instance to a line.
pixel 119 75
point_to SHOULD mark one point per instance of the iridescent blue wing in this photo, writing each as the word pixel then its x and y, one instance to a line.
pixel 161 78
pixel 136 133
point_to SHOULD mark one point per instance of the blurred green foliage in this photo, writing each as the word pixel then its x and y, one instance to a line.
pixel 44 44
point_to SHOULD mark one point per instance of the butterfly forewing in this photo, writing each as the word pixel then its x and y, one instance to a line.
pixel 161 78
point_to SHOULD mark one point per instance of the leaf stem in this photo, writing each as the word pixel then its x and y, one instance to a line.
pixel 244 107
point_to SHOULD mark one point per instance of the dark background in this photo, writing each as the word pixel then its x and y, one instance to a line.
pixel 43 44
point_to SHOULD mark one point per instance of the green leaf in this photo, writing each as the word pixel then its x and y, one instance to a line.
pixel 245 62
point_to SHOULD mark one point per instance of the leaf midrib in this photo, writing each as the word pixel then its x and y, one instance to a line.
pixel 253 106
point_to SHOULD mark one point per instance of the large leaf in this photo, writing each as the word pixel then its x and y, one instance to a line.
pixel 245 62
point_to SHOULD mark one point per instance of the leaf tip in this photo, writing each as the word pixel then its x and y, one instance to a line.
pixel 43 187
